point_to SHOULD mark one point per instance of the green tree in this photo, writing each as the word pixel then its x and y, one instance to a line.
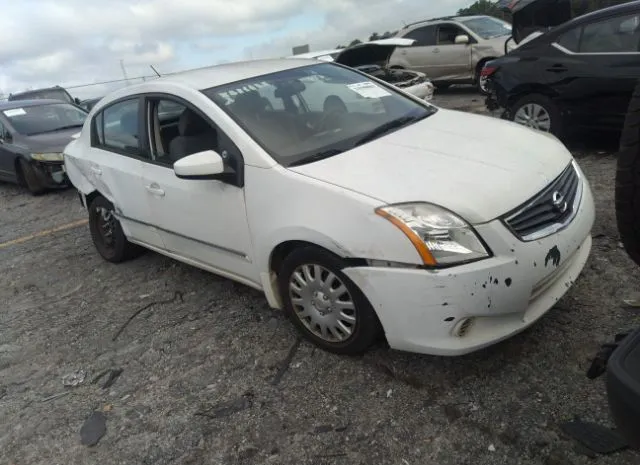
pixel 374 36
pixel 482 7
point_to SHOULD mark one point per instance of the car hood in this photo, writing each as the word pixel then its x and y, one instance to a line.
pixel 476 166
pixel 374 52
pixel 49 142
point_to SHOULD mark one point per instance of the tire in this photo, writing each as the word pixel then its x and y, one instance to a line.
pixel 364 330
pixel 112 245
pixel 479 83
pixel 628 180
pixel 30 178
pixel 534 101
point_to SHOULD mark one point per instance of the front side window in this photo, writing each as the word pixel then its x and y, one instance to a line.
pixel 303 114
pixel 447 34
pixel 615 35
pixel 424 36
pixel 40 119
pixel 116 127
pixel 488 27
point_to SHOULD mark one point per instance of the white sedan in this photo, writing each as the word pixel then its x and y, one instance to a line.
pixel 441 231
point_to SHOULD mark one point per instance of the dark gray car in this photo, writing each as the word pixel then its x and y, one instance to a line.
pixel 33 134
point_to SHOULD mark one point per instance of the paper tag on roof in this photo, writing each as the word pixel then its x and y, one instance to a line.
pixel 368 90
pixel 14 112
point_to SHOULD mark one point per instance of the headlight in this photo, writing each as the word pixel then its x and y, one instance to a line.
pixel 439 236
pixel 47 156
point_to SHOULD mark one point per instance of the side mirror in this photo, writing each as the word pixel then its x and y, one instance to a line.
pixel 201 165
pixel 462 39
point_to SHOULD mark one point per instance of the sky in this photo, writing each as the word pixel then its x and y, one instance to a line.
pixel 74 42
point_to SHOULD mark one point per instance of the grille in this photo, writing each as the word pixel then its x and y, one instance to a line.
pixel 549 211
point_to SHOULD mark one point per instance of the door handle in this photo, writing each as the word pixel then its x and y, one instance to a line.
pixel 558 69
pixel 96 171
pixel 155 190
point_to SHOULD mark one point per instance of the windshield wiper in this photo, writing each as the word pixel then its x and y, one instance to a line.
pixel 61 128
pixel 390 126
pixel 317 156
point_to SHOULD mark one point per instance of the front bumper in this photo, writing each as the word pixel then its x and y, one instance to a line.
pixel 423 90
pixel 422 310
pixel 51 174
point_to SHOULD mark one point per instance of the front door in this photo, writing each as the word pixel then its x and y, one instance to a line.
pixel 203 221
pixel 115 167
pixel 452 60
pixel 7 157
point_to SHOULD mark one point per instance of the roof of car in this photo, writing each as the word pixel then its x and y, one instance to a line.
pixel 217 75
pixel 9 105
pixel 444 18
pixel 629 7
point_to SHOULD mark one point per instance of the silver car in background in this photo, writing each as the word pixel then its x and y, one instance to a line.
pixel 452 50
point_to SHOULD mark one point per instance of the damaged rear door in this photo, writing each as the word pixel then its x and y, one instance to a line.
pixel 114 166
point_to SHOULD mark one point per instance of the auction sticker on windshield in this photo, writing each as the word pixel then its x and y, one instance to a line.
pixel 368 90
pixel 15 112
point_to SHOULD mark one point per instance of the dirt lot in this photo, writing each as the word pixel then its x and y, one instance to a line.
pixel 212 376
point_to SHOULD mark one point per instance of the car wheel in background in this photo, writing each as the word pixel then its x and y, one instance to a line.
pixel 441 86
pixel 107 233
pixel 324 304
pixel 29 177
pixel 539 112
pixel 482 81
pixel 628 180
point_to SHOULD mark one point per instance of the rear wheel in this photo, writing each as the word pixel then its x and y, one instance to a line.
pixel 482 81
pixel 324 304
pixel 628 180
pixel 29 177
pixel 107 234
pixel 539 112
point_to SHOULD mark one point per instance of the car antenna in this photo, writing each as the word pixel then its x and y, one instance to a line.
pixel 155 70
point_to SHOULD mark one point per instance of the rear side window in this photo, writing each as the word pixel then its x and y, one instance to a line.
pixel 116 127
pixel 424 36
pixel 615 35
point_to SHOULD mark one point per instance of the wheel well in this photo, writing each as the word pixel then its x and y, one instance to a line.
pixel 19 173
pixel 91 197
pixel 521 92
pixel 282 250
pixel 396 67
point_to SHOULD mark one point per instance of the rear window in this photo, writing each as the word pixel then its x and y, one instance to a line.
pixel 43 95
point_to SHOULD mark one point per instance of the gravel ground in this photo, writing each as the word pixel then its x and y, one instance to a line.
pixel 211 375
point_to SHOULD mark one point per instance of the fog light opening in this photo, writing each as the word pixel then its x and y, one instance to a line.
pixel 462 328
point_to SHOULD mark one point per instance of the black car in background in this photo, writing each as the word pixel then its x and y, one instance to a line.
pixel 578 76
pixel 89 103
pixel 33 134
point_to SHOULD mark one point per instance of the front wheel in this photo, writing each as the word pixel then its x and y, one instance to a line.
pixel 628 180
pixel 107 234
pixel 324 304
pixel 538 112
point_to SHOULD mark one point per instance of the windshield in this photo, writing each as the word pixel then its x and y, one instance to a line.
pixel 488 27
pixel 50 117
pixel 305 114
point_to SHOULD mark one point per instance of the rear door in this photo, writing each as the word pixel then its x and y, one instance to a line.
pixel 596 67
pixel 115 166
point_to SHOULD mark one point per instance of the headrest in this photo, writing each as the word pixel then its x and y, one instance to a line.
pixel 191 124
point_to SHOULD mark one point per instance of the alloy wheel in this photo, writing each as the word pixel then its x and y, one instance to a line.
pixel 106 226
pixel 533 116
